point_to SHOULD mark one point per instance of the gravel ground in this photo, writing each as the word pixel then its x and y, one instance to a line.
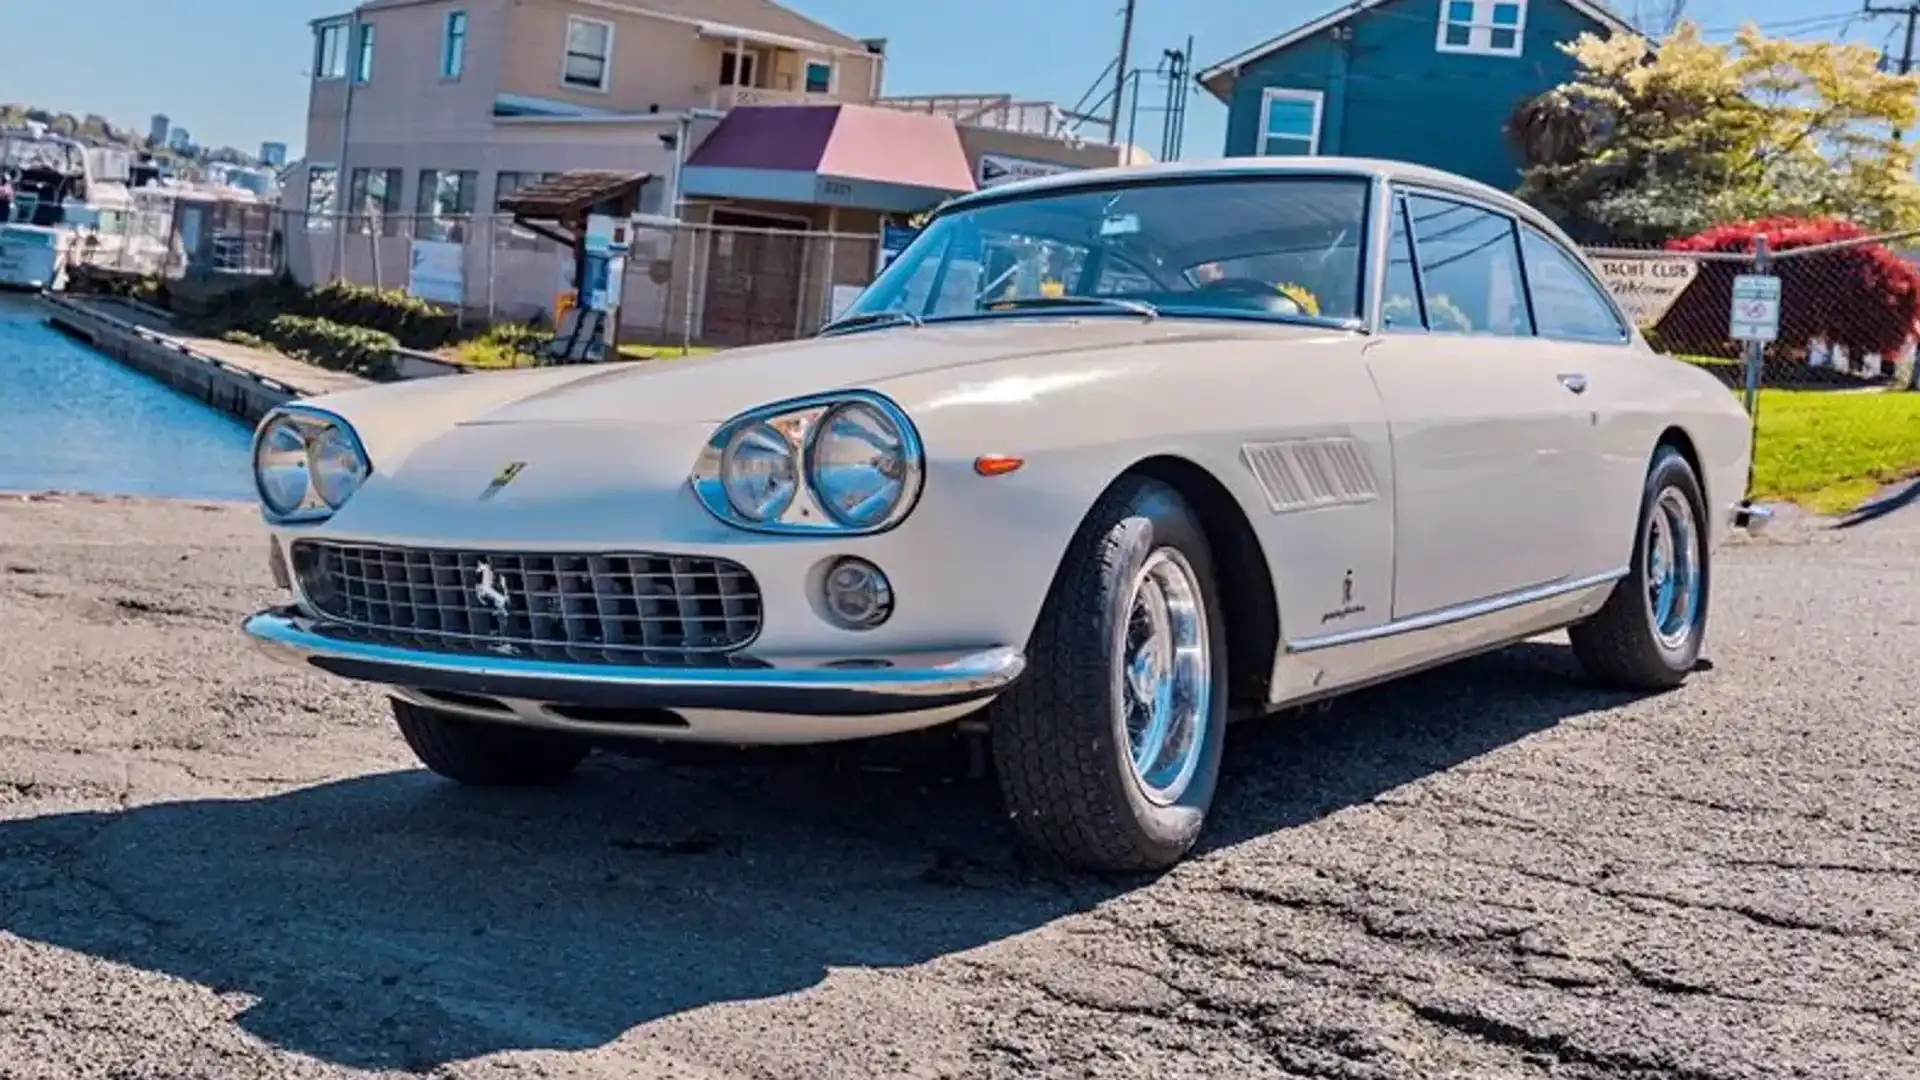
pixel 211 866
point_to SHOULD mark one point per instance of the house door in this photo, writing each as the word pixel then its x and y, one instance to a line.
pixel 753 280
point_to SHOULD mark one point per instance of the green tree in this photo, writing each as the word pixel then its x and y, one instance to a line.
pixel 1650 142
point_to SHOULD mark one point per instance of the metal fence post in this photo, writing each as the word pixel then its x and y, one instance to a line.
pixel 1757 350
pixel 1756 358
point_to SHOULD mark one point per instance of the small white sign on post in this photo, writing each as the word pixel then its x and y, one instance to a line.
pixel 436 272
pixel 1756 308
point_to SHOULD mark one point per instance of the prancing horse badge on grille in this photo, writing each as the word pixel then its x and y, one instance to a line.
pixel 502 478
pixel 491 593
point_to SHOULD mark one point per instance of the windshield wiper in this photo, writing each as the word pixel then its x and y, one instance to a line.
pixel 1111 303
pixel 871 320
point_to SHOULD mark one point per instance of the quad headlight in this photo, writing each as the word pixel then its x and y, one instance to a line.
pixel 841 463
pixel 306 464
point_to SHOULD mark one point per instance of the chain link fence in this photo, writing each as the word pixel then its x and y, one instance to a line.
pixel 686 283
pixel 1846 313
pixel 159 236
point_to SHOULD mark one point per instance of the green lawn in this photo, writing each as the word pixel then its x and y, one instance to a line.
pixel 1830 450
pixel 488 353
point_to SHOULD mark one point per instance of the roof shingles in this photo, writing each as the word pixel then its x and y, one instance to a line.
pixel 853 142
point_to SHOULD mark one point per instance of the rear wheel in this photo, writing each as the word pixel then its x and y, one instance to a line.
pixel 483 754
pixel 1649 633
pixel 1108 749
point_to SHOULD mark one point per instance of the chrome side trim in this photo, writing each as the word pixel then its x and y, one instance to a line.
pixel 1458 613
pixel 851 686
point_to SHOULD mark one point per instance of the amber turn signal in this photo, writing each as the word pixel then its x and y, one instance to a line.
pixel 996 464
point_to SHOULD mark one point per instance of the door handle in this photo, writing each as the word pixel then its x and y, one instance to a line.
pixel 1574 381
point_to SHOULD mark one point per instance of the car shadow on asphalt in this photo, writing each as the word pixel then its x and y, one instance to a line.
pixel 393 920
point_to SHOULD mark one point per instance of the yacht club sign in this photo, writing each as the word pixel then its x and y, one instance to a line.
pixel 1646 285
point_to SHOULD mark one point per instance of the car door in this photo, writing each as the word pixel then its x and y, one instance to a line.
pixel 1581 329
pixel 1492 438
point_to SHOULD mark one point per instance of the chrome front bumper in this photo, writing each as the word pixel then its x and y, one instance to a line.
pixel 862 686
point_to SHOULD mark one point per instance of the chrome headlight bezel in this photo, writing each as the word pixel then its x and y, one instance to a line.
pixel 798 420
pixel 320 499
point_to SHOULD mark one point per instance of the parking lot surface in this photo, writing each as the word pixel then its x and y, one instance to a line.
pixel 212 866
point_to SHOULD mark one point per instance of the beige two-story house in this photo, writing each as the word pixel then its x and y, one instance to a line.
pixel 766 135
pixel 438 108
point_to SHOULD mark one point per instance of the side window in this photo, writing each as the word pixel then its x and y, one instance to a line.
pixel 1566 302
pixel 1469 268
pixel 1400 304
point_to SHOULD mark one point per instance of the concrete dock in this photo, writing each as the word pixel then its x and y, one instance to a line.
pixel 243 381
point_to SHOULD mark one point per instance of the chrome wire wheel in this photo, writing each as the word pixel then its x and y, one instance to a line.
pixel 1165 667
pixel 1673 568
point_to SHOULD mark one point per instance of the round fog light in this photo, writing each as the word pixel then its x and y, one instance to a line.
pixel 857 595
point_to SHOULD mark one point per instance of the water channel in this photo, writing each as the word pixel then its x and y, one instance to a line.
pixel 72 419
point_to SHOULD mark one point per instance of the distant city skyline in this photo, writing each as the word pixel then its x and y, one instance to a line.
pixel 265 52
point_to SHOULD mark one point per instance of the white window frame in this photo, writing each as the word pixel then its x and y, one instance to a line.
pixel 833 73
pixel 453 47
pixel 746 63
pixel 1480 29
pixel 1283 93
pixel 606 64
pixel 360 66
pixel 321 220
pixel 339 27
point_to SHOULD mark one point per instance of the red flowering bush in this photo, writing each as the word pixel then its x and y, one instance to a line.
pixel 1863 296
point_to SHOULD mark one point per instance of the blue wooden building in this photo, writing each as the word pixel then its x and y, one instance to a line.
pixel 1427 81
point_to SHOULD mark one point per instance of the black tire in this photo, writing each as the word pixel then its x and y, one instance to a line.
pixel 1620 645
pixel 1059 745
pixel 480 753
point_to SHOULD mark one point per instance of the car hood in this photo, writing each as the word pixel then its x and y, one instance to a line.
pixel 717 387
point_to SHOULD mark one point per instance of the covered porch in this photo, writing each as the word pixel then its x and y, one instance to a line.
pixel 769 175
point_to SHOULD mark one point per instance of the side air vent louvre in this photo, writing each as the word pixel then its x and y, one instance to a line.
pixel 1308 474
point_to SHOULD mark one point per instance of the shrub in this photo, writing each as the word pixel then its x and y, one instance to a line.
pixel 503 346
pixel 414 322
pixel 335 346
pixel 1863 296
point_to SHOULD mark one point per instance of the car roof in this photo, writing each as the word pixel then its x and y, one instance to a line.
pixel 1291 165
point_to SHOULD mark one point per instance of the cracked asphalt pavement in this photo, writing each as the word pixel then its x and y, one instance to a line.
pixel 213 866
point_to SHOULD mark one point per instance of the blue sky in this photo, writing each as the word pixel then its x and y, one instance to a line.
pixel 234 71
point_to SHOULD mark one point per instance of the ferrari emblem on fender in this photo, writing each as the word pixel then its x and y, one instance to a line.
pixel 502 478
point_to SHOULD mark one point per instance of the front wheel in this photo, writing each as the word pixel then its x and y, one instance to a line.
pixel 1648 634
pixel 1108 748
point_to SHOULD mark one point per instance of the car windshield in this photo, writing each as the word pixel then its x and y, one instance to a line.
pixel 1274 247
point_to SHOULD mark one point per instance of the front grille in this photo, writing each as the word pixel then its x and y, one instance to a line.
pixel 590 608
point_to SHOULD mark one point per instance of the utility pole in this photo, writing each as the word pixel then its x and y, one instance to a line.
pixel 1912 13
pixel 1120 73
